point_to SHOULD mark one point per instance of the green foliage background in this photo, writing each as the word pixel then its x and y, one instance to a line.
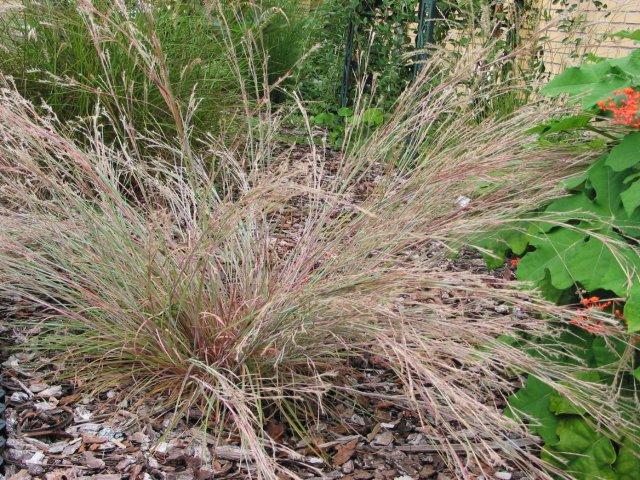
pixel 48 49
pixel 587 243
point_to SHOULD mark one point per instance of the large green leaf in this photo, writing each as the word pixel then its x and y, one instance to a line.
pixel 551 293
pixel 632 308
pixel 532 403
pixel 598 266
pixel 577 206
pixel 572 257
pixel 598 204
pixel 514 239
pixel 606 87
pixel 627 465
pixel 561 405
pixel 631 177
pixel 581 451
pixel 566 256
pixel 607 351
pixel 631 198
pixel 551 250
pixel 574 181
pixel 629 64
pixel 579 343
pixel 626 154
pixel 628 34
pixel 593 81
pixel 608 186
pixel 577 80
pixel 564 124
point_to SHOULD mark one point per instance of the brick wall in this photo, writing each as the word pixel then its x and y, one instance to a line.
pixel 590 33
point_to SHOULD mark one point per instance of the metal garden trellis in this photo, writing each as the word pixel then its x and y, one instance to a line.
pixel 426 14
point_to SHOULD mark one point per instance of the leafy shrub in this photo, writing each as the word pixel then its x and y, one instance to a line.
pixel 337 123
pixel 382 58
pixel 585 251
pixel 76 56
pixel 602 202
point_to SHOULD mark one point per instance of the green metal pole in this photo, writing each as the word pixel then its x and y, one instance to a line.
pixel 424 35
pixel 346 70
pixel 426 15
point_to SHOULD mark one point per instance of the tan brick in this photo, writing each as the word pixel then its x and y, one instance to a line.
pixel 593 35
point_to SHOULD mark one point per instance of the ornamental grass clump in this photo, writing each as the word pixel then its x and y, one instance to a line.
pixel 177 274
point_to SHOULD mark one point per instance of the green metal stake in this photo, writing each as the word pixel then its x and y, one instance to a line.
pixel 426 15
pixel 425 34
pixel 346 71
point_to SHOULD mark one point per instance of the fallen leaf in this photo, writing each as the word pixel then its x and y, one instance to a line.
pixel 36 458
pixel 139 437
pixel 72 447
pixel 69 399
pixel 275 430
pixel 92 462
pixel 362 475
pixel 344 453
pixel 18 397
pixel 21 475
pixel 91 439
pixel 384 439
pixel 61 474
pixel 44 406
pixel 348 467
pixel 37 387
pixel 57 447
pixel 54 391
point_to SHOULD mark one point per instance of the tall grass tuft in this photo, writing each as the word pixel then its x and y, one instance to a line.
pixel 186 279
pixel 148 62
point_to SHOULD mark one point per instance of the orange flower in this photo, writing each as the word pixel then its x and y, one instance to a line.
pixel 592 303
pixel 514 262
pixel 625 107
pixel 593 328
pixel 595 302
pixel 589 301
pixel 603 305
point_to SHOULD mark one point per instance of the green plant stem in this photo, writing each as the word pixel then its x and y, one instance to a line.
pixel 601 132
